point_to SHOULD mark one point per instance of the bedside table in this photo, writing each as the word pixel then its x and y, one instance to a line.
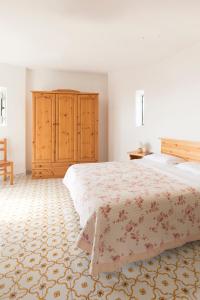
pixel 137 155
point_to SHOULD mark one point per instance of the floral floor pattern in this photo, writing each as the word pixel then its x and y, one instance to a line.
pixel 39 258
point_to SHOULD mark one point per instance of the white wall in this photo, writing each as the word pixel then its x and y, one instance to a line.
pixel 13 78
pixel 172 103
pixel 51 79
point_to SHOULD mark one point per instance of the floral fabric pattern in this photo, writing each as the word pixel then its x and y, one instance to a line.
pixel 130 212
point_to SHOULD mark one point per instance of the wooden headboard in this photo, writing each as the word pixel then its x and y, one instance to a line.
pixel 185 149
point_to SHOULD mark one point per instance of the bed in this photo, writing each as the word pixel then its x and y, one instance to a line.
pixel 136 209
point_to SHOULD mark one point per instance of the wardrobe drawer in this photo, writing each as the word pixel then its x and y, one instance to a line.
pixel 60 172
pixel 42 173
pixel 41 165
pixel 49 170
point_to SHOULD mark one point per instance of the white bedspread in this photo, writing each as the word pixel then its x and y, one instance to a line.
pixel 133 210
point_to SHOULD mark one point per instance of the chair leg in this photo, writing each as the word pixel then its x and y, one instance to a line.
pixel 4 173
pixel 11 173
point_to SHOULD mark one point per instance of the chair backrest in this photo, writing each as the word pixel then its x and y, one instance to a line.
pixel 3 148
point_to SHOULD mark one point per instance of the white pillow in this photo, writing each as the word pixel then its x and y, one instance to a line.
pixel 164 158
pixel 192 167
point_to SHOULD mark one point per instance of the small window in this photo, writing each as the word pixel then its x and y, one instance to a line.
pixel 3 106
pixel 139 108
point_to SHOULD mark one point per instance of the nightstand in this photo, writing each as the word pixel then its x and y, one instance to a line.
pixel 137 155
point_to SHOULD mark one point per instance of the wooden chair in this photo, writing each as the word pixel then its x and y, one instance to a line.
pixel 5 164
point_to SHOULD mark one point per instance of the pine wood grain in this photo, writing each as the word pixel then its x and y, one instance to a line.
pixel 65 127
pixel 87 128
pixel 187 150
pixel 65 131
pixel 43 127
pixel 6 166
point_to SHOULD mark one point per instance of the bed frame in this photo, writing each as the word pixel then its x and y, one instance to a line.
pixel 187 150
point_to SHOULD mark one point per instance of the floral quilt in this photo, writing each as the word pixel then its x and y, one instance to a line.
pixel 129 211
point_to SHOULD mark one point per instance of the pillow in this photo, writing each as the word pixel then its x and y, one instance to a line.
pixel 192 167
pixel 164 158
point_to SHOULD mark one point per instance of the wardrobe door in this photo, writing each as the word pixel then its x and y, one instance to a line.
pixel 43 127
pixel 87 128
pixel 66 130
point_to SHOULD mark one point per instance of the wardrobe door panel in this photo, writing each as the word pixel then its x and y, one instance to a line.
pixel 66 127
pixel 43 127
pixel 87 128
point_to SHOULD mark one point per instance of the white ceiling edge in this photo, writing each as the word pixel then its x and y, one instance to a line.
pixel 95 36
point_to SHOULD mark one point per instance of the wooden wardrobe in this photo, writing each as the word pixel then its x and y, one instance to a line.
pixel 65 131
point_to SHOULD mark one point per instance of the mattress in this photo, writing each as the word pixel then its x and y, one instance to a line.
pixel 132 210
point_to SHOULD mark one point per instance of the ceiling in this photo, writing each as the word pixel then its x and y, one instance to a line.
pixel 95 35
